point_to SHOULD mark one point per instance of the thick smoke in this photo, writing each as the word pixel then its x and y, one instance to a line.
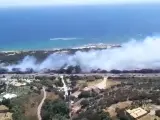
pixel 132 55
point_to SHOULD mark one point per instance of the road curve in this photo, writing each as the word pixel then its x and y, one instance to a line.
pixel 40 105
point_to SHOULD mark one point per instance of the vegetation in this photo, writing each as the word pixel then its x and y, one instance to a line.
pixel 16 109
pixel 55 110
pixel 138 90
pixel 158 113
pixel 23 107
pixel 18 113
pixel 90 114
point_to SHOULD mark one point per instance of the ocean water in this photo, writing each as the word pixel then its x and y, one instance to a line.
pixel 71 26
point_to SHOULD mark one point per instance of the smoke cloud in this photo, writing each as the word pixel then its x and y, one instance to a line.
pixel 132 55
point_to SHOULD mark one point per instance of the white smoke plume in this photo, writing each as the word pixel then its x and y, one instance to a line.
pixel 132 55
pixel 27 62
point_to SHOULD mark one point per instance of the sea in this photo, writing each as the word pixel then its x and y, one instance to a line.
pixel 52 27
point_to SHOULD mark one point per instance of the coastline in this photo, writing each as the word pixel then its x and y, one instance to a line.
pixel 88 46
pixel 14 57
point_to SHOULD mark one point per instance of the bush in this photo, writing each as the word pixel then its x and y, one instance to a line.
pixel 85 94
pixel 84 103
pixel 158 113
pixel 56 110
pixel 91 115
pixel 18 113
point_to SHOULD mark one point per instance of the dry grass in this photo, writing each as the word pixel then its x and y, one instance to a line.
pixel 3 107
pixel 152 108
pixel 31 106
pixel 51 96
pixel 79 82
pixel 6 116
pixel 121 105
pixel 149 117
pixel 111 83
pixel 92 83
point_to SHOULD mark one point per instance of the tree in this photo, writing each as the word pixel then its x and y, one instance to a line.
pixel 59 117
pixel 77 69
pixel 104 116
pixel 6 102
pixel 84 103
pixel 85 94
pixel 57 109
pixel 158 113
pixel 69 69
pixel 18 113
pixel 90 114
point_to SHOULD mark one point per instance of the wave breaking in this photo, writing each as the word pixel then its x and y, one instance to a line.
pixel 64 39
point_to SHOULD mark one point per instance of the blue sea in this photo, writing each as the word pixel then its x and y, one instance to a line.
pixel 70 26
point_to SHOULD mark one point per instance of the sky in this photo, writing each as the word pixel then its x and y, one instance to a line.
pixel 11 3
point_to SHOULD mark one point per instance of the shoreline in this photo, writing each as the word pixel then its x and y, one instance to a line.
pixel 88 46
pixel 13 57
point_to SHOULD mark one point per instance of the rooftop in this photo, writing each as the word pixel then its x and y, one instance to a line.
pixel 76 94
pixel 9 96
pixel 75 109
pixel 136 113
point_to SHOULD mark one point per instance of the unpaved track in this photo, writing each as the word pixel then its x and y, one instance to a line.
pixel 40 105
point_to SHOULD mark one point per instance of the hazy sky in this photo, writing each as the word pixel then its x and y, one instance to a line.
pixel 8 3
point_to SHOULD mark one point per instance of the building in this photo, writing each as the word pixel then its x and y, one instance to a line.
pixel 76 94
pixel 88 88
pixel 76 109
pixel 136 113
pixel 23 82
pixel 9 96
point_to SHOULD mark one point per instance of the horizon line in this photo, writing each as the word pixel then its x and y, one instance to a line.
pixel 73 5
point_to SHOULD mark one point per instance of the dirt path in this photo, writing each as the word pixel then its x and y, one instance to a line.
pixel 40 105
pixel 65 88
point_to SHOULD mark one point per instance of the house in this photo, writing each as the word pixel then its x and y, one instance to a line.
pixel 76 109
pixel 76 94
pixel 87 88
pixel 17 84
pixel 136 113
pixel 9 96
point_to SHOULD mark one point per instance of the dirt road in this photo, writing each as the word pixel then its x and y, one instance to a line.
pixel 40 105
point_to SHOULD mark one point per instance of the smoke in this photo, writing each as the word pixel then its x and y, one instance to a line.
pixel 27 62
pixel 132 55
